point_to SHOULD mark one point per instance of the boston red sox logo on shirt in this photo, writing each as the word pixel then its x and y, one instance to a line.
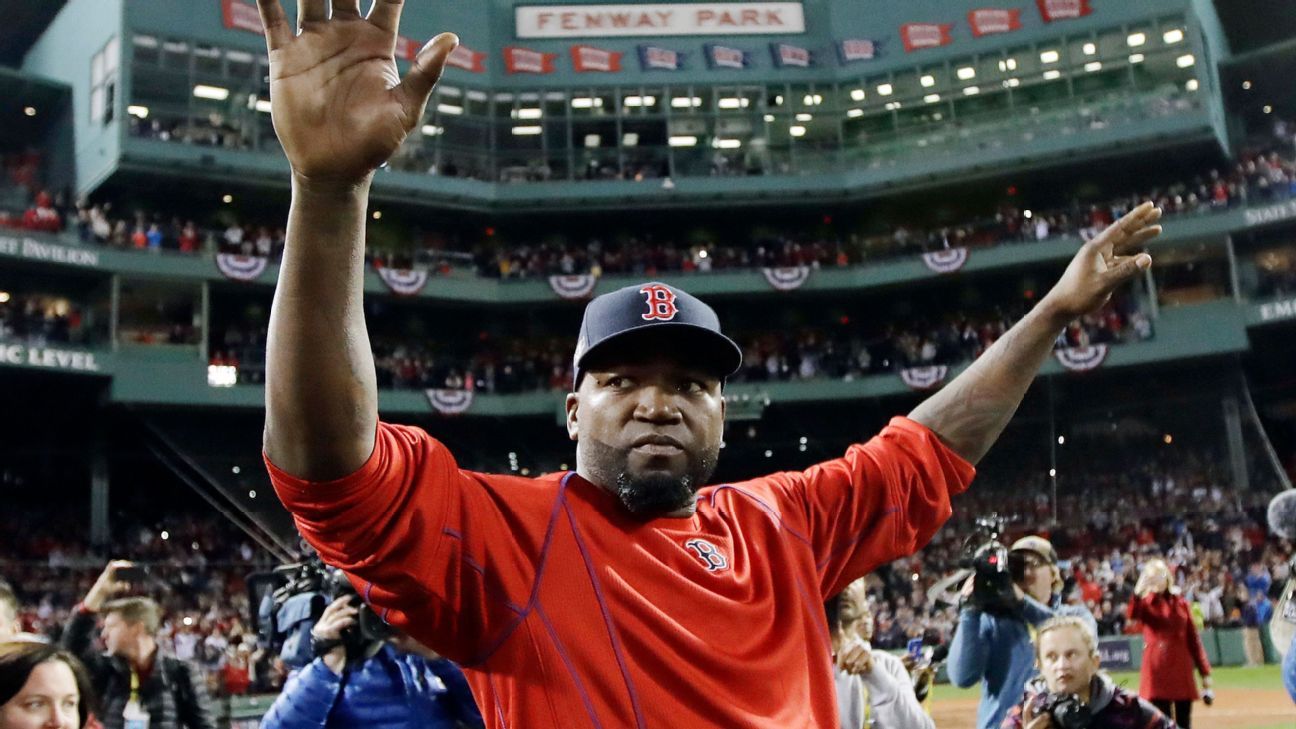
pixel 709 554
pixel 661 303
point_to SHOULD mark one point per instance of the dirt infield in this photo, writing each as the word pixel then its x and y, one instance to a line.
pixel 1265 706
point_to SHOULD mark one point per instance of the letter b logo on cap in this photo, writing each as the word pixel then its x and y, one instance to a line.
pixel 661 303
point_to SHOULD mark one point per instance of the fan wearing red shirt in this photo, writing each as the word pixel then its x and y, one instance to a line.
pixel 625 593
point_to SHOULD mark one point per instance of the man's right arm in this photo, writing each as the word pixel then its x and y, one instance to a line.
pixel 339 112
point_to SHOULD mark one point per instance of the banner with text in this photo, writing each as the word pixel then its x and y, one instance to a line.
pixel 726 57
pixel 525 60
pixel 858 49
pixel 658 19
pixel 588 58
pixel 655 58
pixel 1051 10
pixel 786 54
pixel 917 36
pixel 990 21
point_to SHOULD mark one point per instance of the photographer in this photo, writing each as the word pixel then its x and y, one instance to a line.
pixel 992 642
pixel 1072 693
pixel 380 684
pixel 873 687
pixel 137 685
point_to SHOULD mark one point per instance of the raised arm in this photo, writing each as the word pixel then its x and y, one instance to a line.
pixel 971 412
pixel 340 110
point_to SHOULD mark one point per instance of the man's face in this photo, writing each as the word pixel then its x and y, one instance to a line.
pixel 1038 582
pixel 648 430
pixel 118 635
pixel 864 625
pixel 1066 662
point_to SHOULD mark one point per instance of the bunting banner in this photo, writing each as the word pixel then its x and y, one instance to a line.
pixel 450 402
pixel 589 58
pixel 786 55
pixel 238 15
pixel 1051 10
pixel 990 21
pixel 946 261
pixel 578 286
pixel 786 278
pixel 726 57
pixel 404 281
pixel 407 48
pixel 655 58
pixel 1082 359
pixel 858 49
pixel 924 378
pixel 525 60
pixel 917 36
pixel 240 268
pixel 467 59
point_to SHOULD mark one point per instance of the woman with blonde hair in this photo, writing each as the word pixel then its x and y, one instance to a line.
pixel 1171 645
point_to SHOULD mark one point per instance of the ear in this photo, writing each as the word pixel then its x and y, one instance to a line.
pixel 573 406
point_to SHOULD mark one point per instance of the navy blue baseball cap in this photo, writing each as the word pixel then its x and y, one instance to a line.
pixel 620 316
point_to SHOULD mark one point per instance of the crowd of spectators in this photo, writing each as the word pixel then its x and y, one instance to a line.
pixel 40 319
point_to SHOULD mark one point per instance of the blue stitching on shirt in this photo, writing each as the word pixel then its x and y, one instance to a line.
pixel 571 669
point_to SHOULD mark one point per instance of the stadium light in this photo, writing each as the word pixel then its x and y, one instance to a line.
pixel 884 89
pixel 640 101
pixel 527 131
pixel 892 105
pixel 733 102
pixel 585 102
pixel 227 198
pixel 262 105
pixel 769 118
pixel 1061 440
pixel 139 112
pixel 1027 214
pixel 252 494
pixel 797 131
pixel 684 102
pixel 1093 66
pixel 1191 84
pixel 630 139
pixel 971 90
pixel 1134 40
pixel 804 117
pixel 931 98
pixel 927 81
pixel 726 143
pixel 431 130
pixel 215 93
pixel 857 94
pixel 683 141
pixel 966 73
pixel 528 113
pixel 1089 49
pixel 1052 473
pixel 1049 57
pixel 29 110
pixel 1172 36
pixel 854 113
pixel 1012 83
pixel 812 100
pixel 1246 85
pixel 4 297
pixel 1136 58
pixel 222 375
pixel 1052 74
pixel 1267 109
pixel 452 109
pixel 593 140
pixel 1008 64
pixel 1168 439
pixel 1185 60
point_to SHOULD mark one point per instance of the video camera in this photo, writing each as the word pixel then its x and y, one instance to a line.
pixel 994 568
pixel 292 598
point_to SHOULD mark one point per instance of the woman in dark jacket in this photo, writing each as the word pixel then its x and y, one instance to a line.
pixel 1172 646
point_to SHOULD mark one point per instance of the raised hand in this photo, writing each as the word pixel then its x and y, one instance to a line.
pixel 1103 264
pixel 339 106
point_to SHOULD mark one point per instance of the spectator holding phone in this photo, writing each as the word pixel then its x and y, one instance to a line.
pixel 138 687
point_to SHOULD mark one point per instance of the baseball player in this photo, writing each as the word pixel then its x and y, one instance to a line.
pixel 623 593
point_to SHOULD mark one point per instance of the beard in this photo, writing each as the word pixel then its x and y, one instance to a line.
pixel 648 495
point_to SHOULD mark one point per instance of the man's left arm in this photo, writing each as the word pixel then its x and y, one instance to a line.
pixel 969 414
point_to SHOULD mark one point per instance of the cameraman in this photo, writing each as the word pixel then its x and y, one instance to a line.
pixel 994 645
pixel 1073 693
pixel 372 684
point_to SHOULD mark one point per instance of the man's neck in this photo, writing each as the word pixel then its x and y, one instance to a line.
pixel 141 659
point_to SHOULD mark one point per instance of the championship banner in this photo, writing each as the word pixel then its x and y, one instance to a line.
pixel 525 60
pixel 946 261
pixel 924 378
pixel 654 58
pixel 577 286
pixel 589 58
pixel 467 59
pixel 1082 359
pixel 449 402
pixel 240 268
pixel 917 36
pixel 789 55
pixel 990 21
pixel 239 15
pixel 786 278
pixel 858 49
pixel 403 281
pixel 726 57
pixel 1051 10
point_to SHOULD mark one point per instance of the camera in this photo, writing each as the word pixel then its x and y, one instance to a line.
pixel 292 598
pixel 994 569
pixel 1067 710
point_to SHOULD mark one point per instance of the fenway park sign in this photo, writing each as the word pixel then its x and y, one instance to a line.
pixel 658 19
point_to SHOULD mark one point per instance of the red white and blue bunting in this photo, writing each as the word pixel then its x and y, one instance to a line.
pixel 404 281
pixel 786 278
pixel 240 268
pixel 1082 359
pixel 924 378
pixel 946 261
pixel 577 286
pixel 450 402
